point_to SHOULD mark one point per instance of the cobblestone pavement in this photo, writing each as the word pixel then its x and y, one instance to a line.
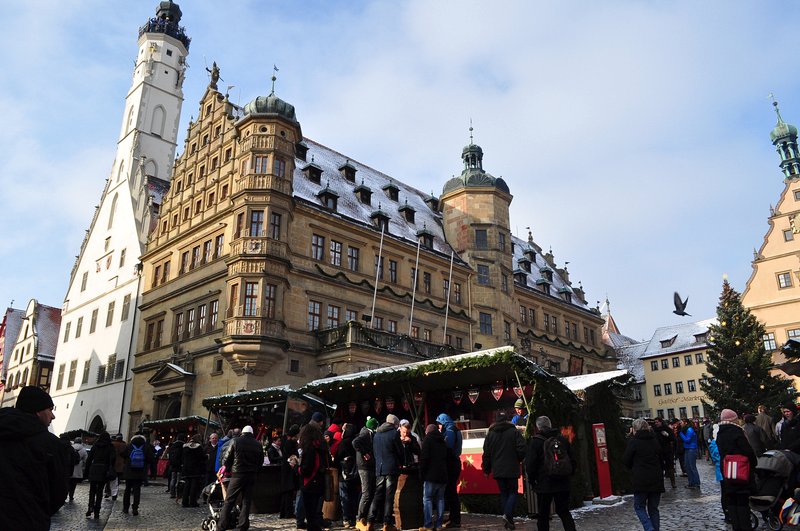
pixel 681 509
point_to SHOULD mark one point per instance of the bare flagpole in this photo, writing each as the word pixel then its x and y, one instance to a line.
pixel 447 301
pixel 377 275
pixel 414 290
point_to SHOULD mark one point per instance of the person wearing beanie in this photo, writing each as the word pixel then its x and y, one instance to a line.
pixel 100 467
pixel 137 459
pixel 453 439
pixel 36 462
pixel 365 463
pixel 244 457
pixel 503 451
pixel 112 487
pixel 433 472
pixel 319 418
pixel 520 417
pixel 388 452
pixel 731 440
pixel 755 435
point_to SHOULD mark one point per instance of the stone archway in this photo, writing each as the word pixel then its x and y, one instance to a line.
pixel 97 425
pixel 173 409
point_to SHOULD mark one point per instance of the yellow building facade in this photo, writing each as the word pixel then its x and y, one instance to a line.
pixel 277 260
pixel 773 291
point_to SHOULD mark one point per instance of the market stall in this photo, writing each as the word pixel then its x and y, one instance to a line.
pixel 166 430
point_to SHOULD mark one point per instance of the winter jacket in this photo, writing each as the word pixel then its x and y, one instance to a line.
pixel 175 455
pixel 689 438
pixel 756 437
pixel 193 460
pixel 790 435
pixel 764 422
pixel 120 448
pixel 35 465
pixel 77 470
pixel 102 458
pixel 731 441
pixel 220 450
pixel 534 464
pixel 363 447
pixel 503 450
pixel 666 439
pixel 243 456
pixel 433 458
pixel 345 450
pixel 644 458
pixel 275 455
pixel 211 457
pixel 312 471
pixel 388 450
pixel 138 441
pixel 411 450
pixel 713 452
pixel 452 435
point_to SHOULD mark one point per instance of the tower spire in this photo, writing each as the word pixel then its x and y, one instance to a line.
pixel 784 138
pixel 274 79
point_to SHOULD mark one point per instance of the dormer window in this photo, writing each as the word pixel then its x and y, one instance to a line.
pixel 425 237
pixel 701 338
pixel 665 343
pixel 392 191
pixel 380 220
pixel 364 193
pixel 432 202
pixel 407 212
pixel 566 293
pixel 348 171
pixel 520 277
pixel 525 263
pixel 328 197
pixel 544 285
pixel 301 150
pixel 530 254
pixel 313 172
pixel 547 273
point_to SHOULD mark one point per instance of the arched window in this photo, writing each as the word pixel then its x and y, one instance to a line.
pixel 121 171
pixel 157 123
pixel 150 168
pixel 25 377
pixel 113 211
pixel 130 121
pixel 97 425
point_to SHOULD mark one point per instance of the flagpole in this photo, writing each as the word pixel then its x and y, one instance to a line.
pixel 414 287
pixel 377 275
pixel 447 300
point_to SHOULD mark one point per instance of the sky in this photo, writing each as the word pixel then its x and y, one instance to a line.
pixel 634 136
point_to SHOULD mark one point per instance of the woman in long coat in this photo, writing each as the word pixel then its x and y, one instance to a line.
pixel 100 468
pixel 731 440
pixel 644 457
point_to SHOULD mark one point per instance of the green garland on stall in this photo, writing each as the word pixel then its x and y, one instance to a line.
pixel 602 405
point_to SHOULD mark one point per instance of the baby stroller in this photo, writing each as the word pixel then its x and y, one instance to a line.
pixel 214 496
pixel 775 482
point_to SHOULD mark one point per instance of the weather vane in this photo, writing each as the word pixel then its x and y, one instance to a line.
pixel 274 77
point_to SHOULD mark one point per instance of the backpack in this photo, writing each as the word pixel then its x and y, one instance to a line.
pixel 76 457
pixel 736 469
pixel 556 459
pixel 348 467
pixel 136 456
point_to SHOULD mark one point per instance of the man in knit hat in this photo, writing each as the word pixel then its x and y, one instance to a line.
pixel 388 455
pixel 520 417
pixel 35 460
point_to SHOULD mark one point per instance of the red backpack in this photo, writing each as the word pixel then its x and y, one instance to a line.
pixel 736 469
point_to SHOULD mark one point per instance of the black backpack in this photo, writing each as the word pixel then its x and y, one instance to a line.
pixel 556 461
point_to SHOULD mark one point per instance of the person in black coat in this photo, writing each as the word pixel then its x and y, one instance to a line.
pixel 314 461
pixel 193 470
pixel 644 458
pixel 135 476
pixel 665 437
pixel 548 489
pixel 243 457
pixel 731 440
pixel 345 461
pixel 175 455
pixel 433 472
pixel 503 451
pixel 290 479
pixel 34 463
pixel 100 465
pixel 388 455
pixel 366 470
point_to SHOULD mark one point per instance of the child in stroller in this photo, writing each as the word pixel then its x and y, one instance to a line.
pixel 214 496
pixel 776 480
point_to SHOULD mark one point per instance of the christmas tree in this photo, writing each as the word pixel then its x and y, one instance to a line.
pixel 737 364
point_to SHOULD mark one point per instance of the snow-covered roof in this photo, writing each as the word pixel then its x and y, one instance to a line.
pixel 48 322
pixel 557 285
pixel 677 338
pixel 179 369
pixel 585 381
pixel 13 324
pixel 629 359
pixel 350 207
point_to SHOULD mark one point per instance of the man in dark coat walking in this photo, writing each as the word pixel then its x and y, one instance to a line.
pixel 433 471
pixel 644 458
pixel 548 488
pixel 35 460
pixel 193 470
pixel 503 451
pixel 666 439
pixel 134 474
pixel 243 457
pixel 732 441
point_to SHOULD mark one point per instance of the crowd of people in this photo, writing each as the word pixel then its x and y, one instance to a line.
pixel 653 449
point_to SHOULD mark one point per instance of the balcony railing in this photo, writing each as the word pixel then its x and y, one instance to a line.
pixel 259 246
pixel 354 334
pixel 261 181
pixel 254 326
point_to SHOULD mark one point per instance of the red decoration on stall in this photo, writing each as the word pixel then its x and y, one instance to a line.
pixel 457 396
pixel 497 391
pixel 473 394
pixel 518 391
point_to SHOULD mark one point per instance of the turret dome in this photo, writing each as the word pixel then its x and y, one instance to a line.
pixel 782 130
pixel 271 104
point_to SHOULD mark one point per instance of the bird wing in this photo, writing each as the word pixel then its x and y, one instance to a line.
pixel 677 300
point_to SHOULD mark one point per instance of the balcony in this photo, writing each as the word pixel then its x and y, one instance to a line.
pixel 356 335
pixel 259 246
pixel 260 182
pixel 157 25
pixel 254 326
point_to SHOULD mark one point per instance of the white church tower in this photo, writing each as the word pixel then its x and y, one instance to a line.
pixel 91 385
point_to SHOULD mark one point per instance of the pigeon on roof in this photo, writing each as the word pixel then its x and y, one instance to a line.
pixel 680 306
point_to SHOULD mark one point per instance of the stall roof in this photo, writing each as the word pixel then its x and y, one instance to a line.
pixel 476 368
pixel 248 397
pixel 179 420
pixel 585 381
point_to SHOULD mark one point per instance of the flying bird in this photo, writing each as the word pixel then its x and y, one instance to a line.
pixel 680 306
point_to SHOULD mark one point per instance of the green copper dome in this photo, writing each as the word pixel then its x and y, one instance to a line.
pixel 271 104
pixel 783 130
